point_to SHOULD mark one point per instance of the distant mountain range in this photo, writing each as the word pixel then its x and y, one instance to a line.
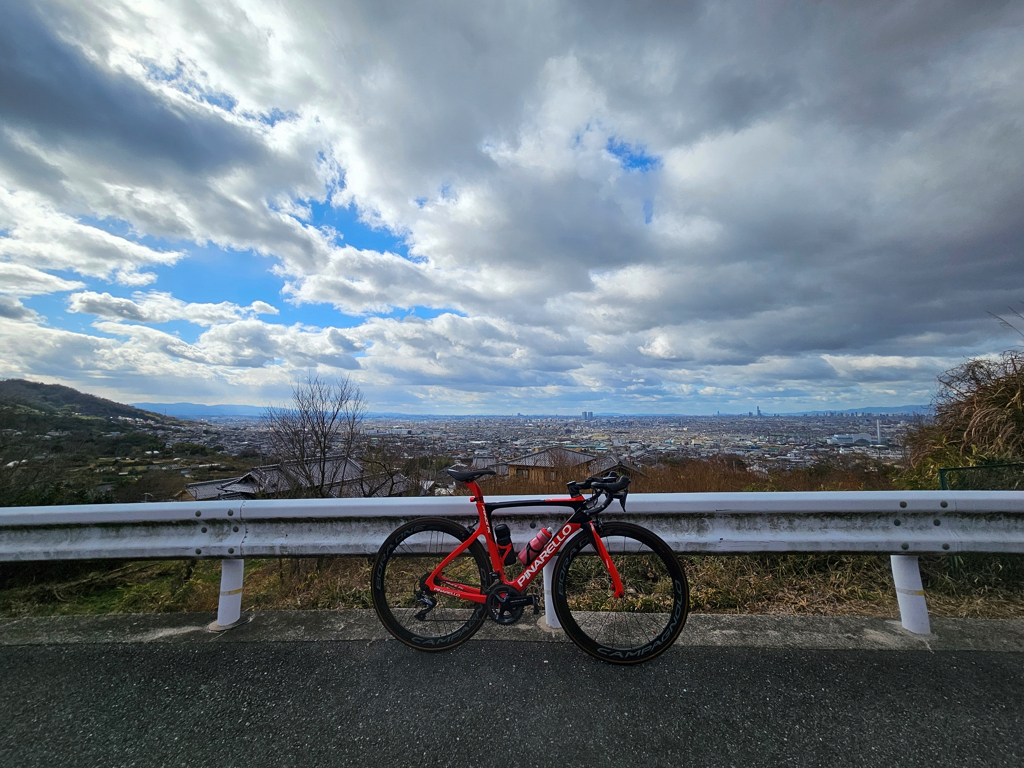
pixel 199 411
pixel 61 400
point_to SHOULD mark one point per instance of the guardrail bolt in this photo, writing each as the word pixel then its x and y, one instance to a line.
pixel 199 551
pixel 231 550
pixel 203 529
pixel 937 521
pixel 945 546
pixel 904 546
pixel 944 504
pixel 235 529
pixel 231 513
pixel 199 513
pixel 896 522
pixel 903 505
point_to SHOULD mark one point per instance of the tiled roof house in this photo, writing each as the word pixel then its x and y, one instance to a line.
pixel 344 476
pixel 547 463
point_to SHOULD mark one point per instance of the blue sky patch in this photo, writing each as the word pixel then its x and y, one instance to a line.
pixel 633 157
pixel 211 275
pixel 354 232
pixel 273 117
pixel 176 77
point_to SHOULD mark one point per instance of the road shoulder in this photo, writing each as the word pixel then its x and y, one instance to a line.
pixel 752 631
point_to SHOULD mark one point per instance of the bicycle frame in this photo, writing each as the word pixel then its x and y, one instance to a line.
pixel 580 520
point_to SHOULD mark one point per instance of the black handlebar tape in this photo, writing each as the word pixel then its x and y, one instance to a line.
pixel 613 486
pixel 622 484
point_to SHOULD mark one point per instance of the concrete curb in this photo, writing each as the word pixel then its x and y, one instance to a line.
pixel 716 630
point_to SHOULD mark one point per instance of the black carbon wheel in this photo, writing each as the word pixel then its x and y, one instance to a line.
pixel 419 618
pixel 650 615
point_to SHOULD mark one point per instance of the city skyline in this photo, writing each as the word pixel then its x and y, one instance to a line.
pixel 662 210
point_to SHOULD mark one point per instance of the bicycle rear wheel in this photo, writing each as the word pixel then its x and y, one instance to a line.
pixel 650 615
pixel 412 613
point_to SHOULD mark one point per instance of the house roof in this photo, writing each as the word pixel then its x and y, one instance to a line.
pixel 273 479
pixel 488 462
pixel 283 477
pixel 611 461
pixel 212 489
pixel 553 458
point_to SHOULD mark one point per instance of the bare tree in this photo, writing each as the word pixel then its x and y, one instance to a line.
pixel 314 438
pixel 382 462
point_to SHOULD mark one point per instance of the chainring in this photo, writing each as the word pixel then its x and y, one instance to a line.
pixel 497 607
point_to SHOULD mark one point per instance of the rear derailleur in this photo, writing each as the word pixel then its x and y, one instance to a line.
pixel 425 597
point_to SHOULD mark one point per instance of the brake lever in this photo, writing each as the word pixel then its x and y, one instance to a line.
pixel 621 496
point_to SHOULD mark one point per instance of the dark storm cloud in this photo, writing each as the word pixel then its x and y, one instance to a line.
pixel 49 89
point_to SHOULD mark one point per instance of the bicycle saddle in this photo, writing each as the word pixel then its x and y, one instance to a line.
pixel 469 475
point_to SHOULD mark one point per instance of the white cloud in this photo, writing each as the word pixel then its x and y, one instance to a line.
pixel 682 201
pixel 39 236
pixel 22 280
pixel 159 307
pixel 244 344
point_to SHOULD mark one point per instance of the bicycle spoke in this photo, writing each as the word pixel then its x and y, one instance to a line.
pixel 645 618
pixel 413 612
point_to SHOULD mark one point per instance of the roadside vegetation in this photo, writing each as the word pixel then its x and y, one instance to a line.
pixel 979 421
pixel 985 586
pixel 61 446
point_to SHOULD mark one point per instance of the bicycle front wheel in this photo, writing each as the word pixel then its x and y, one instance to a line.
pixel 650 615
pixel 410 611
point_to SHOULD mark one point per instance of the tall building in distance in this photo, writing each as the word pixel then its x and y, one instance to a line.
pixel 759 411
pixel 588 415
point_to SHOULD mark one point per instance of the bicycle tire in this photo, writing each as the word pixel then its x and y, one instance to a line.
pixel 646 620
pixel 408 555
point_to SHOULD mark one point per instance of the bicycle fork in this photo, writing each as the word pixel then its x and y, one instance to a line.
pixel 602 552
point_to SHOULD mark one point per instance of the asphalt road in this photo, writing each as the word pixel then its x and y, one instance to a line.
pixel 503 703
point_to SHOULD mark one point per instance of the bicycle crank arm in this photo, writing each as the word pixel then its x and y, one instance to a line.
pixel 521 601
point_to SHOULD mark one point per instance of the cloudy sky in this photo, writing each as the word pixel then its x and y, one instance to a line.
pixel 496 208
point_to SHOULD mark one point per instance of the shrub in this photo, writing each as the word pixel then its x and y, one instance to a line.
pixel 978 418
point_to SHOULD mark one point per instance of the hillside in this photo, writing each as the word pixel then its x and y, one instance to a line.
pixel 56 399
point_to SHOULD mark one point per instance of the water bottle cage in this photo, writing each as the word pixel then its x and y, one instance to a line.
pixel 508 554
pixel 503 538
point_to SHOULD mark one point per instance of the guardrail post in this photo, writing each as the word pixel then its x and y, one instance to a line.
pixel 549 606
pixel 229 609
pixel 910 593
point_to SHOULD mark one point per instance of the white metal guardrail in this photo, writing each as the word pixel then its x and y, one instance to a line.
pixel 903 524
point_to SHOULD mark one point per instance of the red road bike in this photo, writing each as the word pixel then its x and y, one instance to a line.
pixel 619 591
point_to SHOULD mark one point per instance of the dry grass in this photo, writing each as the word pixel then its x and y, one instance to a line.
pixel 978 586
pixel 718 475
pixel 979 419
pixel 180 586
